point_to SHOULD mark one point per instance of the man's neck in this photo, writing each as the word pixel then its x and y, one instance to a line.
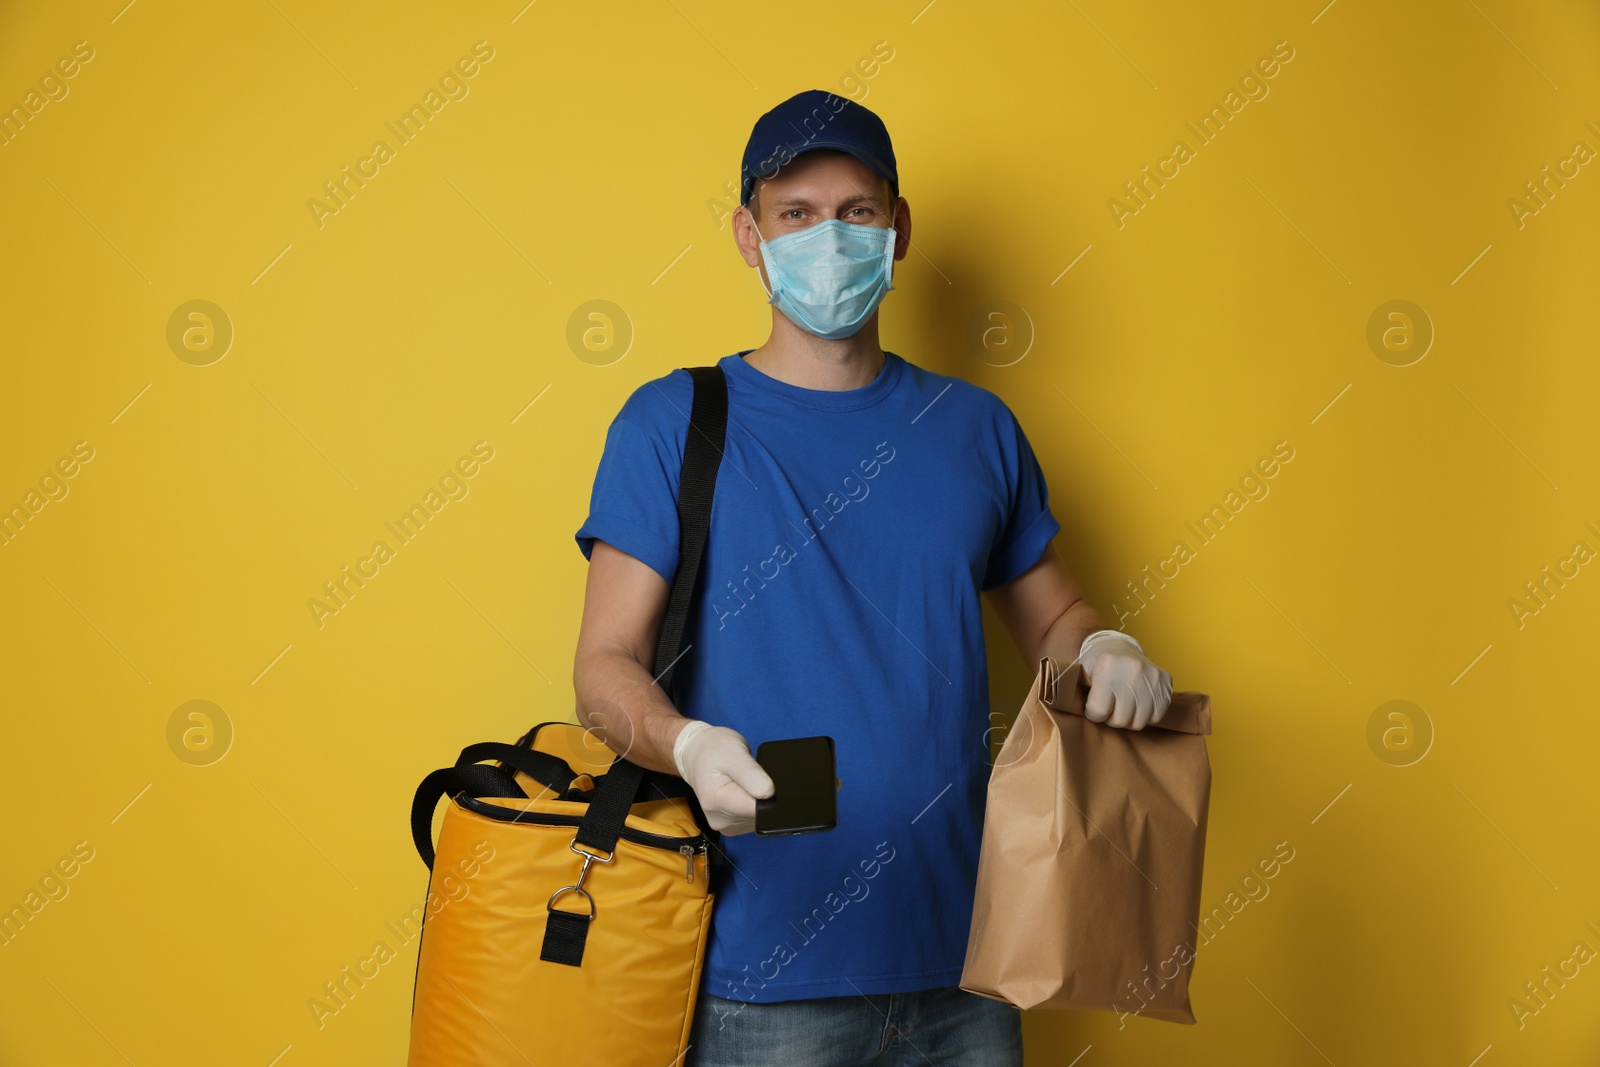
pixel 801 359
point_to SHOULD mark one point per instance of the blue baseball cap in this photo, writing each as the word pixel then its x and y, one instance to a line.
pixel 815 119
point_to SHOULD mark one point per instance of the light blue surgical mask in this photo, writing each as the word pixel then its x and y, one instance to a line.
pixel 829 278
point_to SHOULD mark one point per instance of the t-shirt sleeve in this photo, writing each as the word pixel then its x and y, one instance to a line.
pixel 1028 525
pixel 634 506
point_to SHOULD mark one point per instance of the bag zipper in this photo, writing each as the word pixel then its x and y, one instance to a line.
pixel 639 837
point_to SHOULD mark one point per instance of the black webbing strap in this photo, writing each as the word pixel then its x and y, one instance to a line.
pixel 564 935
pixel 658 786
pixel 702 455
pixel 471 777
pixel 546 769
pixel 615 791
pixel 475 779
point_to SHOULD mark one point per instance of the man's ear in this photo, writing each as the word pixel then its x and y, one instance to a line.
pixel 902 225
pixel 744 234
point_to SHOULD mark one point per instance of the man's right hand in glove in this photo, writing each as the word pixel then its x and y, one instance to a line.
pixel 717 764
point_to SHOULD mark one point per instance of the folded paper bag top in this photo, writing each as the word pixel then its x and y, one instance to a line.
pixel 1088 890
pixel 1066 689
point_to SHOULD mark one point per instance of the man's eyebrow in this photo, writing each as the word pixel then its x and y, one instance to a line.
pixel 800 201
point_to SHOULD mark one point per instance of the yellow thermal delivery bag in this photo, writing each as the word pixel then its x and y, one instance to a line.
pixel 559 952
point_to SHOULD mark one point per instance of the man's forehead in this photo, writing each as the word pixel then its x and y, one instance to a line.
pixel 823 174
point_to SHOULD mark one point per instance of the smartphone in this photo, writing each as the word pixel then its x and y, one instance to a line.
pixel 803 799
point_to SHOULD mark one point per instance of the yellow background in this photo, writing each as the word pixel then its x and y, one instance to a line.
pixel 586 163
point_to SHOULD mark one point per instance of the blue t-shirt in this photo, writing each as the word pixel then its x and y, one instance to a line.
pixel 851 532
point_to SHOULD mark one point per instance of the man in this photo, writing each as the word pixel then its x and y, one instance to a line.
pixel 861 507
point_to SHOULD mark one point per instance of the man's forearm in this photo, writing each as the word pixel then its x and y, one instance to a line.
pixel 1065 636
pixel 620 702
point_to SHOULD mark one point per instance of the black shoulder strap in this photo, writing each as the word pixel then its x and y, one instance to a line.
pixel 702 457
pixel 614 791
pixel 617 789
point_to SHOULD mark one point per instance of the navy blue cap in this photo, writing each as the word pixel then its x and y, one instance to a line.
pixel 815 119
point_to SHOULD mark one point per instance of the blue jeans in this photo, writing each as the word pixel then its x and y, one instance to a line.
pixel 944 1027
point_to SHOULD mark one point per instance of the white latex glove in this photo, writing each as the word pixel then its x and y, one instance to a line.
pixel 1125 688
pixel 717 764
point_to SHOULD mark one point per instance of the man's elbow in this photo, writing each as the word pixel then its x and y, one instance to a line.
pixel 585 675
pixel 598 669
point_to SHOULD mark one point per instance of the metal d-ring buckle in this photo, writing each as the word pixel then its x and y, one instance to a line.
pixel 550 905
pixel 577 887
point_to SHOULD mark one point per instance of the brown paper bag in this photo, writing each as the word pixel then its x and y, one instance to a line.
pixel 1093 840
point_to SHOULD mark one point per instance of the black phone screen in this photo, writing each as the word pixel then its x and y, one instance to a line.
pixel 804 789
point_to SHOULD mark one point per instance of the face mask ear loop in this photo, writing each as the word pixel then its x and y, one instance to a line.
pixel 761 249
pixel 894 238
